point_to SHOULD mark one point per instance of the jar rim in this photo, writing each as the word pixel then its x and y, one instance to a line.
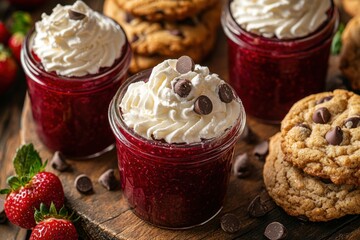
pixel 28 60
pixel 116 119
pixel 231 27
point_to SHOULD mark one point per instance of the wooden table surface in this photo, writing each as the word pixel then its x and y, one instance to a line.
pixel 105 215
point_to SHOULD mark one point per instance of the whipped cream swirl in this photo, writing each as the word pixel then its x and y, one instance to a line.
pixel 77 47
pixel 283 19
pixel 153 110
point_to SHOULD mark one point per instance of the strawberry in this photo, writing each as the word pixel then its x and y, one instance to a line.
pixel 52 225
pixel 30 187
pixel 8 69
pixel 21 24
pixel 15 43
pixel 4 33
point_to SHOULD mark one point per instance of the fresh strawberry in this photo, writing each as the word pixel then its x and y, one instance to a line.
pixel 21 22
pixel 30 187
pixel 53 225
pixel 8 69
pixel 4 33
pixel 15 43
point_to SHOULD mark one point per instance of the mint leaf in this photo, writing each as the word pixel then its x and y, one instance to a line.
pixel 27 161
pixel 336 43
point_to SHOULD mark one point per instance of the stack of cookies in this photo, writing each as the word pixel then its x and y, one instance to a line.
pixel 313 167
pixel 162 29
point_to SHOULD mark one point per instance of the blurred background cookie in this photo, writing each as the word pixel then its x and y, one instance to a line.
pixel 154 41
pixel 350 53
pixel 155 10
pixel 351 7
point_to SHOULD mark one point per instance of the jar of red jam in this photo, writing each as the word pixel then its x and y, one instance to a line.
pixel 270 74
pixel 70 113
pixel 172 185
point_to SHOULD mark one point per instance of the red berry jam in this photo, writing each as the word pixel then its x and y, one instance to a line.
pixel 70 113
pixel 269 74
pixel 172 185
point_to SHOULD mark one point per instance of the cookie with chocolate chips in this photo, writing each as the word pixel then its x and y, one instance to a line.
pixel 153 42
pixel 302 195
pixel 321 135
pixel 155 10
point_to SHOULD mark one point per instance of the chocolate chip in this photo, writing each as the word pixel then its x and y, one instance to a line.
pixel 3 217
pixel 334 136
pixel 129 17
pixel 324 99
pixel 257 208
pixel 83 183
pixel 352 122
pixel 108 180
pixel 230 223
pixel 203 105
pixel 325 180
pixel 76 15
pixel 134 38
pixel 182 87
pixel 58 162
pixel 226 94
pixel 176 32
pixel 261 150
pixel 242 167
pixel 185 64
pixel 321 115
pixel 275 231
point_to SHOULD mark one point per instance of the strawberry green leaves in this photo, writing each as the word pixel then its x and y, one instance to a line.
pixel 44 212
pixel 27 161
pixel 27 164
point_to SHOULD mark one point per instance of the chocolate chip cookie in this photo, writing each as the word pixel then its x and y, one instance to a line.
pixel 165 9
pixel 350 52
pixel 321 135
pixel 302 195
pixel 192 36
pixel 351 7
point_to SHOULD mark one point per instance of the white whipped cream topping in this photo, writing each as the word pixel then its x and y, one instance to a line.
pixel 75 48
pixel 284 19
pixel 153 110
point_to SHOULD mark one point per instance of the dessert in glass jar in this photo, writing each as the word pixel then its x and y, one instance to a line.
pixel 278 52
pixel 74 60
pixel 176 126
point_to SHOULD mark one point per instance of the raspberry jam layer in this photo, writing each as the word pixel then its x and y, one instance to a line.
pixel 270 75
pixel 172 185
pixel 70 114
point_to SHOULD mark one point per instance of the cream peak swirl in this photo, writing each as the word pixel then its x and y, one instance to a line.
pixel 284 19
pixel 74 46
pixel 154 110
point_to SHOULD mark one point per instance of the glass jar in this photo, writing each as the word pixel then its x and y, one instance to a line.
pixel 270 74
pixel 70 113
pixel 172 185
